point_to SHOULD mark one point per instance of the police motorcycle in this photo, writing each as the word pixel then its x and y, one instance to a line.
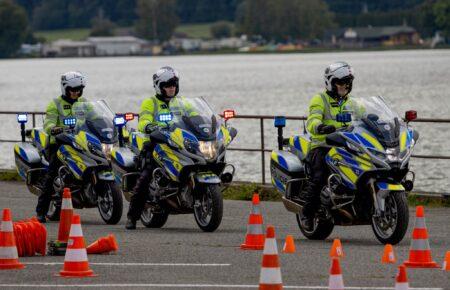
pixel 85 152
pixel 190 168
pixel 369 176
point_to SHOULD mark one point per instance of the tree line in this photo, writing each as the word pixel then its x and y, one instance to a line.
pixel 276 20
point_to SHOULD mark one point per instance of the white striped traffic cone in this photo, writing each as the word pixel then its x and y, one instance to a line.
pixel 335 281
pixel 9 259
pixel 254 240
pixel 65 216
pixel 270 276
pixel 420 252
pixel 401 280
pixel 76 262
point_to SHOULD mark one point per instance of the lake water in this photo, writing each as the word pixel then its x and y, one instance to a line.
pixel 269 84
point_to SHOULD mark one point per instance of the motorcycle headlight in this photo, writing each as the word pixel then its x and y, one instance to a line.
pixel 392 154
pixel 208 149
pixel 107 149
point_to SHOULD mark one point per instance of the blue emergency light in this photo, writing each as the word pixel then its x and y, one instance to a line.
pixel 70 122
pixel 344 117
pixel 119 121
pixel 280 121
pixel 22 118
pixel 165 117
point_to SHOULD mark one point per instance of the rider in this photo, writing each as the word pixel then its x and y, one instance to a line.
pixel 72 85
pixel 166 84
pixel 321 121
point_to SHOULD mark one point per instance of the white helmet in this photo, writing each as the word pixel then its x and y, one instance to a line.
pixel 164 76
pixel 341 71
pixel 72 79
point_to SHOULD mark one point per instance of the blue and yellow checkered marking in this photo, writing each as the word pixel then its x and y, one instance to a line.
pixel 166 158
pixel 389 186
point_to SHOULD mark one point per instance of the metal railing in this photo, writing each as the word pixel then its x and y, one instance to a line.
pixel 262 149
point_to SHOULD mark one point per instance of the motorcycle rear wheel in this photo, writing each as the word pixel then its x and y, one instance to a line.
pixel 322 228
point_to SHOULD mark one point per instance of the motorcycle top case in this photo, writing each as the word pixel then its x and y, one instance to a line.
pixel 26 157
pixel 285 166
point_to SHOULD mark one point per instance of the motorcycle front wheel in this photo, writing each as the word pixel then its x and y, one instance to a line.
pixel 110 202
pixel 208 207
pixel 391 228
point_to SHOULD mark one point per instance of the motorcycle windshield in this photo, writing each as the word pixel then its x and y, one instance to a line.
pixel 97 119
pixel 376 116
pixel 196 116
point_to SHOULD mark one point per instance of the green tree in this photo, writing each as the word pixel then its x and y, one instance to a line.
pixel 102 26
pixel 157 19
pixel 221 29
pixel 13 27
pixel 441 10
pixel 284 19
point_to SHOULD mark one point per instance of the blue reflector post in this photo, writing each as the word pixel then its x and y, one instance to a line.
pixel 119 121
pixel 344 117
pixel 70 122
pixel 22 118
pixel 280 121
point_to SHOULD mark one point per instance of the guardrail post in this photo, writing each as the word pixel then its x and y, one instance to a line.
pixel 34 120
pixel 263 157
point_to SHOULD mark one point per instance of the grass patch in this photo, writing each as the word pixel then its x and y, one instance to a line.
pixel 201 30
pixel 9 175
pixel 244 191
pixel 415 200
pixel 73 34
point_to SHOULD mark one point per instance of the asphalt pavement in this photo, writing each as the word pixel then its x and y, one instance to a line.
pixel 181 256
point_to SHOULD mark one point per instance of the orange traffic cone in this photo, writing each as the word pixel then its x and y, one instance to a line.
pixel 9 259
pixel 254 240
pixel 388 255
pixel 65 216
pixel 401 280
pixel 419 252
pixel 289 245
pixel 41 234
pixel 103 245
pixel 76 262
pixel 336 249
pixel 335 281
pixel 446 265
pixel 270 276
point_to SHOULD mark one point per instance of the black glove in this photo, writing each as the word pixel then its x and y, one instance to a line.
pixel 325 129
pixel 56 130
pixel 150 128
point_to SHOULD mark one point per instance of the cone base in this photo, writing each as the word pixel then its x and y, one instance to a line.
pixel 270 286
pixel 409 264
pixel 77 274
pixel 16 266
pixel 252 247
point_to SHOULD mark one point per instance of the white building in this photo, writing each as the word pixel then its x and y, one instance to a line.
pixel 117 45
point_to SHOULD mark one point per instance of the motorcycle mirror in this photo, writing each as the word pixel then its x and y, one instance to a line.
pixel 70 122
pixel 129 117
pixel 410 115
pixel 22 118
pixel 233 132
pixel 228 114
pixel 344 117
pixel 119 121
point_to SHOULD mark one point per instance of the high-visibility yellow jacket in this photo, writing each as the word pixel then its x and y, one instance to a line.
pixel 323 110
pixel 152 107
pixel 57 110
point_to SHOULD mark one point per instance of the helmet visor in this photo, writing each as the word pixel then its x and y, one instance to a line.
pixel 344 81
pixel 173 82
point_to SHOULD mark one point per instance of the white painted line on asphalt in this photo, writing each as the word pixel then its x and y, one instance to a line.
pixel 195 286
pixel 135 264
